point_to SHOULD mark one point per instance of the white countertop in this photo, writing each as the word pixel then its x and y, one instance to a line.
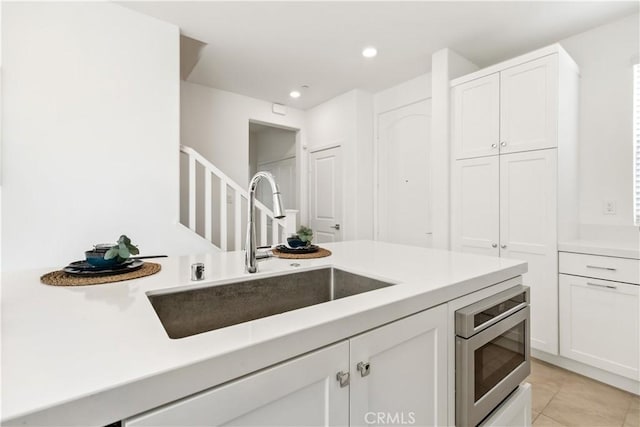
pixel 91 355
pixel 601 247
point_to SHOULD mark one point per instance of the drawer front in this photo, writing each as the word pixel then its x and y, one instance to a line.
pixel 601 267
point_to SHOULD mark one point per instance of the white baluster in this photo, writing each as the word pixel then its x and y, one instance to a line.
pixel 238 222
pixel 223 215
pixel 192 193
pixel 208 233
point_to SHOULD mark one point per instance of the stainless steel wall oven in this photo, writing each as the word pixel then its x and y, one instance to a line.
pixel 492 352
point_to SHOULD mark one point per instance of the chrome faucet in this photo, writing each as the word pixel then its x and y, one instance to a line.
pixel 250 249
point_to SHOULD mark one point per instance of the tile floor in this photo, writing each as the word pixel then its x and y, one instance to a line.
pixel 562 398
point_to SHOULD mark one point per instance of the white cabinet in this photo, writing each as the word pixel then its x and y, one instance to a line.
pixel 599 319
pixel 402 377
pixel 514 411
pixel 512 110
pixel 514 126
pixel 405 379
pixel 303 391
pixel 506 206
pixel 475 203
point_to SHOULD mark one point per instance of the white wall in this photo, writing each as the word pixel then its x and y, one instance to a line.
pixel 605 56
pixel 405 93
pixel 216 124
pixel 90 133
pixel 347 120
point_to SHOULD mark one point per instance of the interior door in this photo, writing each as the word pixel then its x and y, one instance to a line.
pixel 325 195
pixel 528 233
pixel 475 206
pixel 529 106
pixel 405 382
pixel 476 117
pixel 404 209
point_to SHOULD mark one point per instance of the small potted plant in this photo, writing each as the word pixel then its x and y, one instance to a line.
pixel 104 255
pixel 302 239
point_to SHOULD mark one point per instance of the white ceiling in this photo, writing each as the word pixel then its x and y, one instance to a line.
pixel 266 49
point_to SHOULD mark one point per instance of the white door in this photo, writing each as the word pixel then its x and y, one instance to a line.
pixel 325 195
pixel 406 381
pixel 599 324
pixel 403 175
pixel 301 392
pixel 528 233
pixel 476 117
pixel 529 106
pixel 284 172
pixel 475 206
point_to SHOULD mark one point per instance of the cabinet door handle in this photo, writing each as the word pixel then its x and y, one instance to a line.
pixel 602 286
pixel 494 245
pixel 601 268
pixel 343 378
pixel 503 144
pixel 503 246
pixel 364 368
pixel 494 145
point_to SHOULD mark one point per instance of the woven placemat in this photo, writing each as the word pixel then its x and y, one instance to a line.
pixel 60 278
pixel 321 253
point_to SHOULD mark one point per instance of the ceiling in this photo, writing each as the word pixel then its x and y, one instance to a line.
pixel 267 49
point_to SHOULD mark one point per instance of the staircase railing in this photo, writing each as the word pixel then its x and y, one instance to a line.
pixel 279 227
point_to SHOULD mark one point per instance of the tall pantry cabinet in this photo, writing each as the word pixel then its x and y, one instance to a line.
pixel 514 174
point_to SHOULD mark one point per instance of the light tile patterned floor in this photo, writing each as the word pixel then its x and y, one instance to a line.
pixel 562 398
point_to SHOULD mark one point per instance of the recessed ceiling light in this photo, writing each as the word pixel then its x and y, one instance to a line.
pixel 294 94
pixel 369 52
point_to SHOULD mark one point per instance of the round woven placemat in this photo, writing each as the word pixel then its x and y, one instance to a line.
pixel 322 252
pixel 60 278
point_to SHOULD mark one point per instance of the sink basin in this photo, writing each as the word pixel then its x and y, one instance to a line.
pixel 189 312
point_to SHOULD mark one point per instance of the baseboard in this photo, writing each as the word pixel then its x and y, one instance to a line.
pixel 613 380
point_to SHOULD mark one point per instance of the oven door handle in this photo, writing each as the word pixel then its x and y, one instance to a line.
pixel 465 316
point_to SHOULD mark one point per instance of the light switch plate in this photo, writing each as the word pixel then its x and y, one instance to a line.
pixel 609 207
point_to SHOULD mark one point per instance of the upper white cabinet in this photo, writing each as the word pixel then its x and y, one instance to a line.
pixel 476 117
pixel 514 128
pixel 514 109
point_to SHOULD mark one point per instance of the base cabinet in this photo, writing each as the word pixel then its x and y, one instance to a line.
pixel 392 375
pixel 599 324
pixel 514 411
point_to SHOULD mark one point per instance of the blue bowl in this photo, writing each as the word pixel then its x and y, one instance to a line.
pixel 96 258
pixel 295 242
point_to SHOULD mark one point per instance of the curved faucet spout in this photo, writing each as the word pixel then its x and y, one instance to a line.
pixel 278 212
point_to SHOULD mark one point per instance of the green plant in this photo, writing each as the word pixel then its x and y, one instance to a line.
pixel 122 250
pixel 305 234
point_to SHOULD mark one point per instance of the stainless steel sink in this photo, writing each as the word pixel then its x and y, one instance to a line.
pixel 190 312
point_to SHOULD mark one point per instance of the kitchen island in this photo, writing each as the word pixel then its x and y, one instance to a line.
pixel 93 355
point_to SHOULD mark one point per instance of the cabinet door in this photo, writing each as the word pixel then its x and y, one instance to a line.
pixel 514 411
pixel 406 381
pixel 529 106
pixel 599 324
pixel 528 233
pixel 475 119
pixel 475 206
pixel 301 392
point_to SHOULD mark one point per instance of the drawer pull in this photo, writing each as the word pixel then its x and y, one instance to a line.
pixel 602 286
pixel 601 268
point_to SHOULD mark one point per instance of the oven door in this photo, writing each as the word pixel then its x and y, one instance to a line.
pixel 490 365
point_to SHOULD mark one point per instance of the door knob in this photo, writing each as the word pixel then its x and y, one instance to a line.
pixel 337 226
pixel 343 378
pixel 364 368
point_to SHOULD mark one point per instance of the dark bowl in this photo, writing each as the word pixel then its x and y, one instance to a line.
pixel 295 242
pixel 96 258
